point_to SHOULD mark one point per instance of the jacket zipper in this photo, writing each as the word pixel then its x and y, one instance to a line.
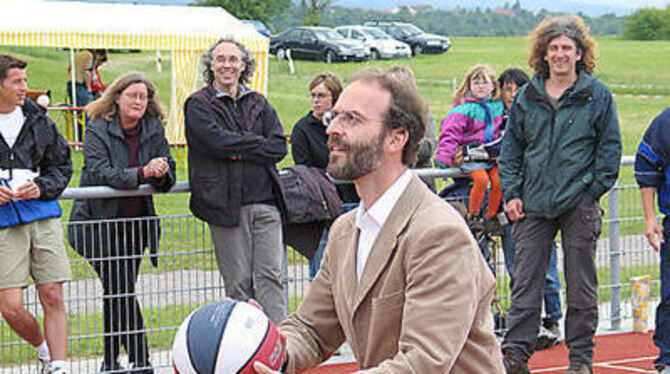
pixel 11 176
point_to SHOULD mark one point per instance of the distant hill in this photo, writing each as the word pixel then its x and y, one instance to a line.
pixel 592 8
pixel 151 2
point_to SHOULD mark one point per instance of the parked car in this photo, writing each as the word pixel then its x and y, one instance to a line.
pixel 419 40
pixel 317 43
pixel 381 44
pixel 259 26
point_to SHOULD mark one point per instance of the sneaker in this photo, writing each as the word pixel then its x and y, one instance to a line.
pixel 44 364
pixel 515 364
pixel 579 368
pixel 546 339
pixel 57 369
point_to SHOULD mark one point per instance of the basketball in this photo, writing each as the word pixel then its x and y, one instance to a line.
pixel 226 337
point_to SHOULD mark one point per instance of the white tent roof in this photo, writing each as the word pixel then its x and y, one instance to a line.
pixel 186 31
pixel 96 25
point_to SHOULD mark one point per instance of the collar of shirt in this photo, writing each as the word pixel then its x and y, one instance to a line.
pixel 370 221
pixel 241 90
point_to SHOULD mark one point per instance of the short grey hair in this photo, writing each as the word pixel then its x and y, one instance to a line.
pixel 208 58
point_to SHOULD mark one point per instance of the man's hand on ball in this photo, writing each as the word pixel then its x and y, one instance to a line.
pixel 261 368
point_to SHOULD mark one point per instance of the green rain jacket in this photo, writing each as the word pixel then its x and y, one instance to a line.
pixel 550 157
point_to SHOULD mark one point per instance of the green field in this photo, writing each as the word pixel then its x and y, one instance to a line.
pixel 638 73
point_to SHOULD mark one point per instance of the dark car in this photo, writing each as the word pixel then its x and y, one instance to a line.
pixel 317 43
pixel 419 40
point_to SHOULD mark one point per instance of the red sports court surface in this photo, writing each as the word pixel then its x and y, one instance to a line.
pixel 615 353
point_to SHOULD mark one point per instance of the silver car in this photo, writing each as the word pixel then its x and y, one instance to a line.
pixel 381 44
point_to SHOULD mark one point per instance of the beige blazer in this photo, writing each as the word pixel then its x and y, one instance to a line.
pixel 423 303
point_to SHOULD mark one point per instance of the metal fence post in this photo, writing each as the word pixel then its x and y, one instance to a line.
pixel 615 253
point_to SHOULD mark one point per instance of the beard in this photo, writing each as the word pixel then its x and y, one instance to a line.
pixel 361 157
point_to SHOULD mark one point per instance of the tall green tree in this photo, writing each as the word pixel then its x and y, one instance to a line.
pixel 262 10
pixel 648 24
pixel 314 11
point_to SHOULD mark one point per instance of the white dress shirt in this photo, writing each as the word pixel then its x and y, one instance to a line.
pixel 370 221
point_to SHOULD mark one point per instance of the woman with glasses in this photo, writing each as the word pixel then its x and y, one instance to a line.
pixel 474 125
pixel 309 142
pixel 125 147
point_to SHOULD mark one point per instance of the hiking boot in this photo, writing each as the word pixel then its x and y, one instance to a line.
pixel 552 326
pixel 113 367
pixel 476 224
pixel 514 364
pixel 492 225
pixel 579 368
pixel 142 368
pixel 661 367
pixel 546 339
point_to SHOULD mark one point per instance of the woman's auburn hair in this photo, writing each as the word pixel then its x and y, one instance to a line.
pixel 106 108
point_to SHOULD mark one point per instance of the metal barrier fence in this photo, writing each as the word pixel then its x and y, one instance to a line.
pixel 187 277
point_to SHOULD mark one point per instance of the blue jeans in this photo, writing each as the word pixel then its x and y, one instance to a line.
pixel 552 286
pixel 662 333
pixel 315 263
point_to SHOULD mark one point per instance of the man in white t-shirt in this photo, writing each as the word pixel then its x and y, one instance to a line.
pixel 402 279
pixel 35 168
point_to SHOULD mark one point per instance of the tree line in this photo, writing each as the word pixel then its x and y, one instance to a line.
pixel 644 24
pixel 478 22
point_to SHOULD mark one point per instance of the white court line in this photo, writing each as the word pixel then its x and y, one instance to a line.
pixel 607 364
pixel 626 368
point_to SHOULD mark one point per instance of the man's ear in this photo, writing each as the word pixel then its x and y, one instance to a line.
pixel 398 137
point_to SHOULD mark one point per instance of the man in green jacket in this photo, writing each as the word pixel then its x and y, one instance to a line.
pixel 561 153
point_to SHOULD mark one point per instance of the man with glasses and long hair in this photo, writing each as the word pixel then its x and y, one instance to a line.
pixel 235 139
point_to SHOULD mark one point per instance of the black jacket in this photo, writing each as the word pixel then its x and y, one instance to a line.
pixel 106 160
pixel 309 142
pixel 227 157
pixel 39 145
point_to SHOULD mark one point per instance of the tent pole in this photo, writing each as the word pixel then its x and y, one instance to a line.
pixel 72 77
pixel 73 87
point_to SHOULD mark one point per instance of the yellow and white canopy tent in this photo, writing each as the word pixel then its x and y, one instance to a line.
pixel 186 31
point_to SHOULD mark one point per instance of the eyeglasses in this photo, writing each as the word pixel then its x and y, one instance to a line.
pixel 346 118
pixel 136 96
pixel 318 95
pixel 481 83
pixel 222 59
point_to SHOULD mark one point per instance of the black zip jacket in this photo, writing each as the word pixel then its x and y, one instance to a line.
pixel 233 146
pixel 39 147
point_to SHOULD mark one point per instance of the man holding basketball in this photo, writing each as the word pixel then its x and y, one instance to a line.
pixel 401 280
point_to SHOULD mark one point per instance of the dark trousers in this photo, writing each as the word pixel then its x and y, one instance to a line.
pixel 580 228
pixel 118 268
pixel 662 332
pixel 123 323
